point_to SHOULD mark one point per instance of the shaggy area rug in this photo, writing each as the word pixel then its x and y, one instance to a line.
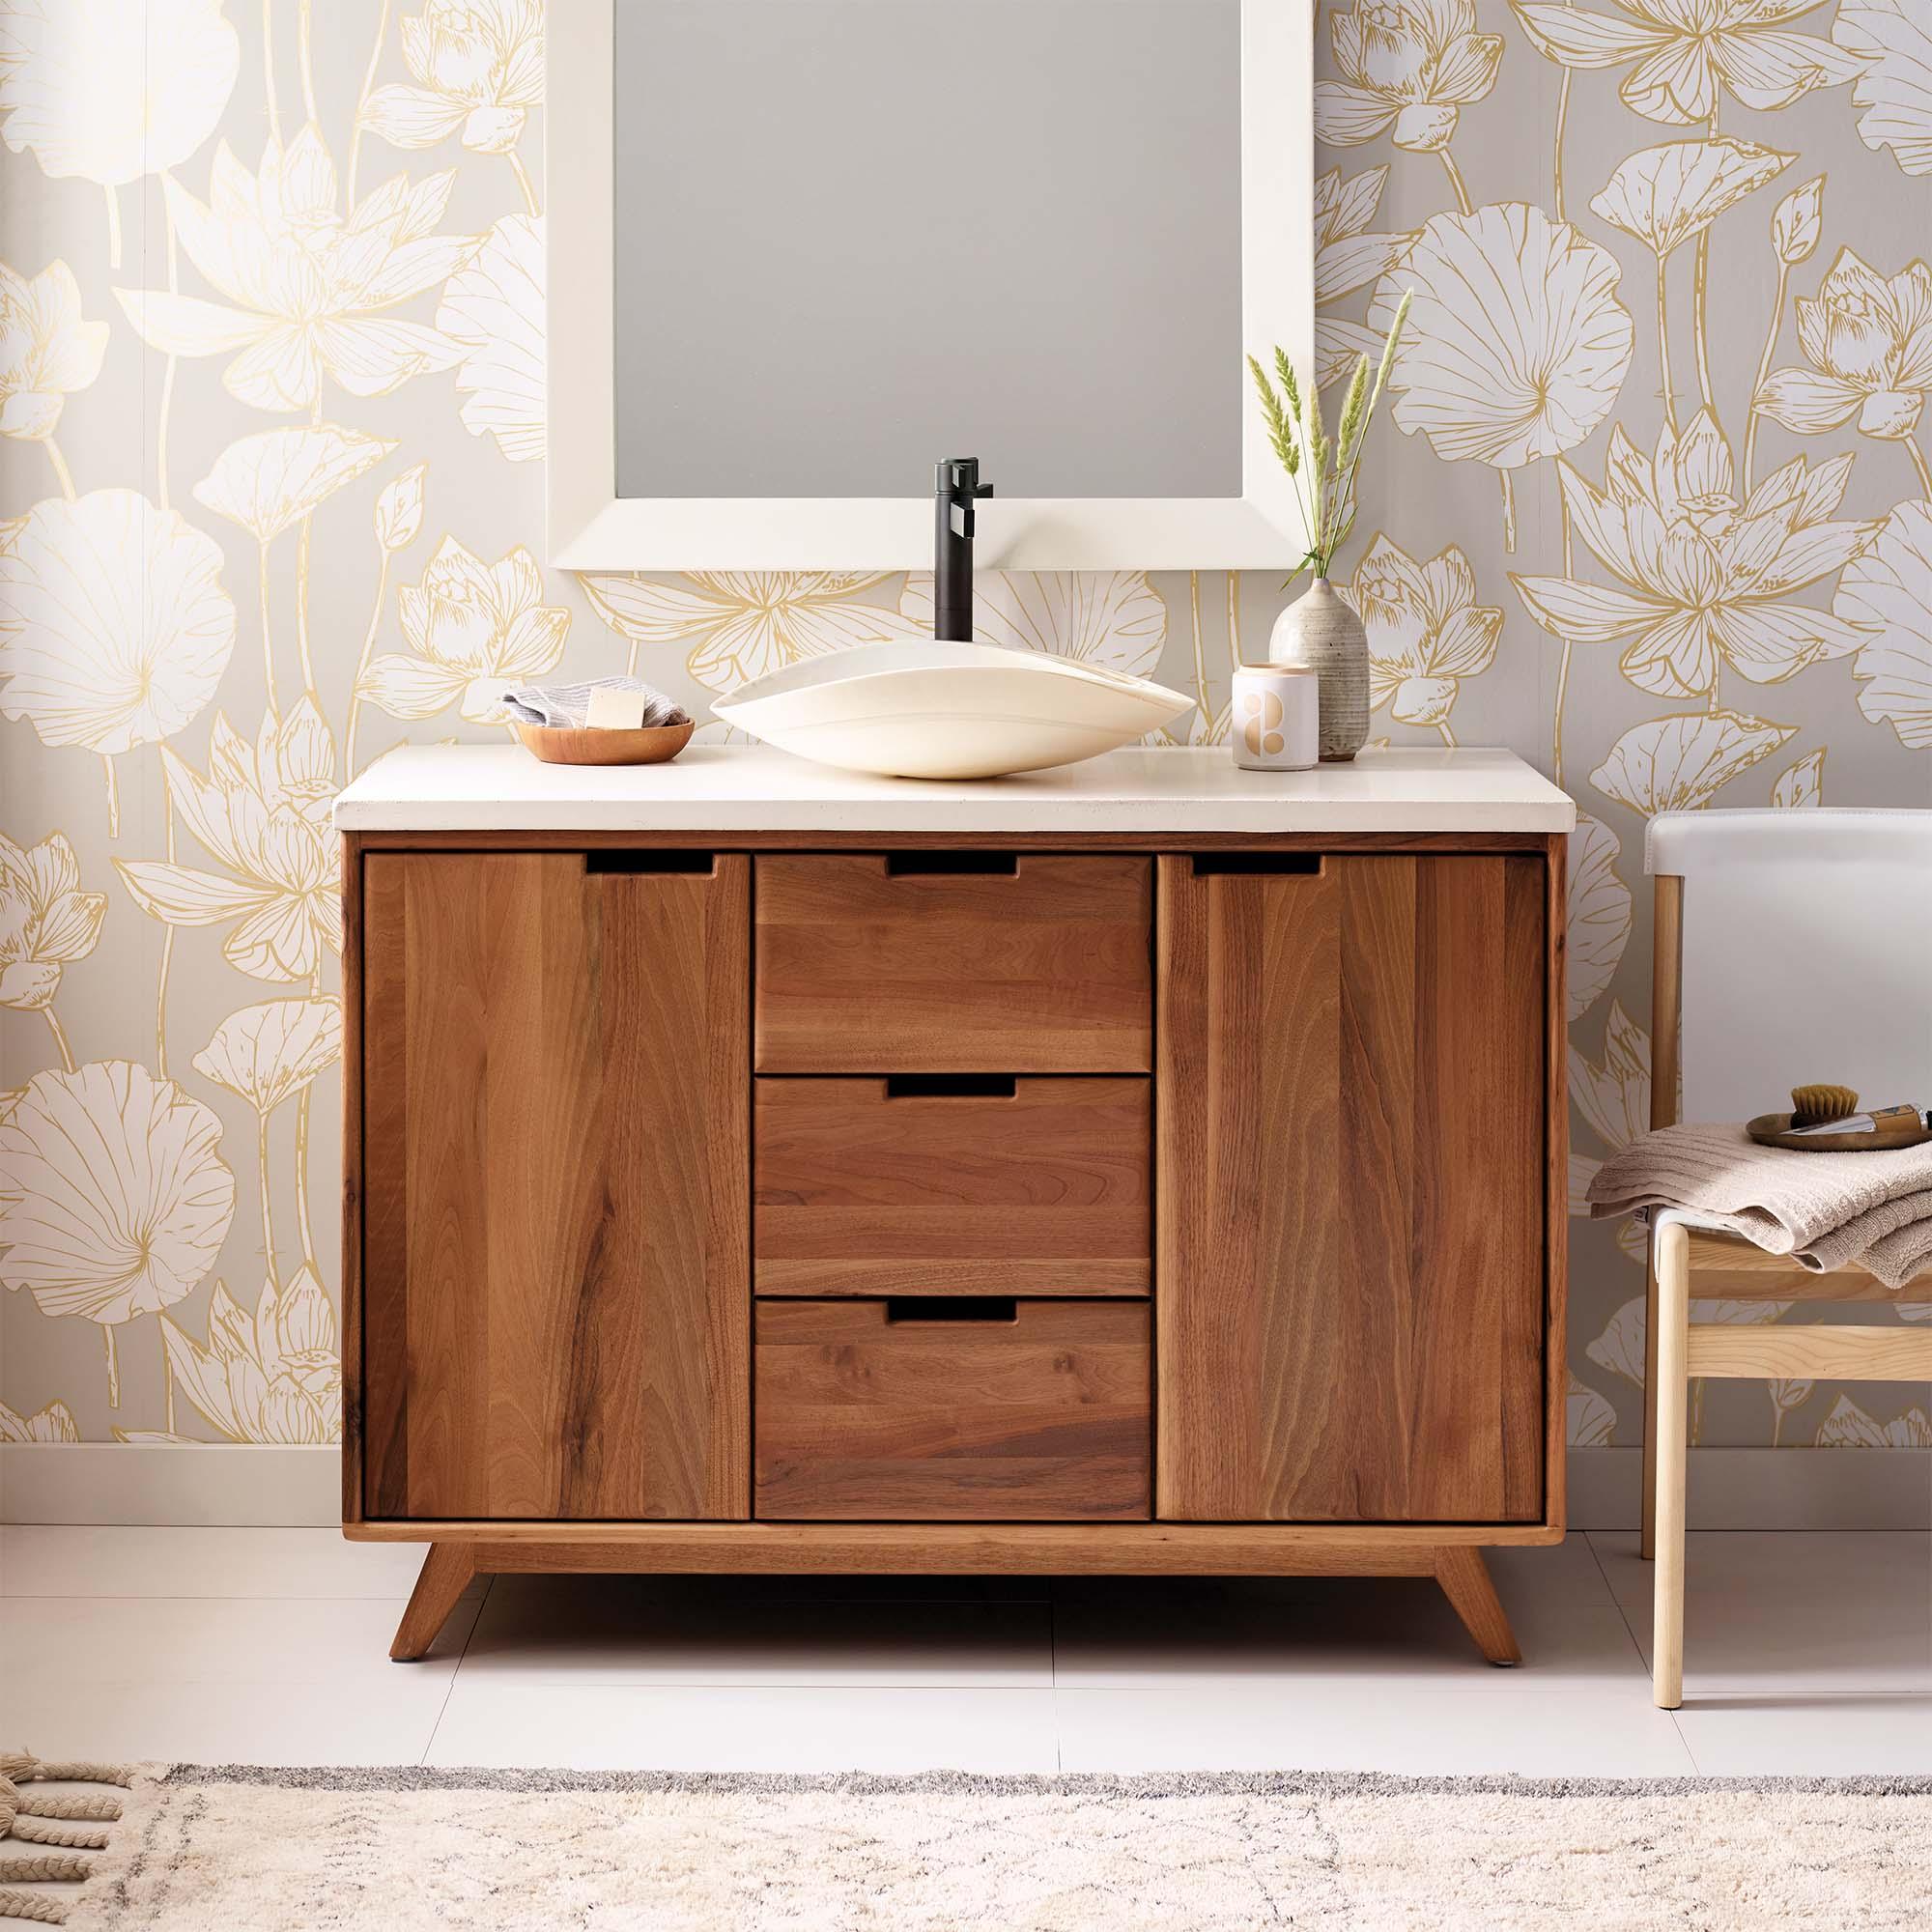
pixel 216 1848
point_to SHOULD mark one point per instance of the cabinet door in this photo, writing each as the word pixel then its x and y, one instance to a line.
pixel 555 1064
pixel 1350 1279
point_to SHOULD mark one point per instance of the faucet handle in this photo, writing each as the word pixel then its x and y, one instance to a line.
pixel 959 479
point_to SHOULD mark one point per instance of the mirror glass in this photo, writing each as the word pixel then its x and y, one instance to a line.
pixel 853 237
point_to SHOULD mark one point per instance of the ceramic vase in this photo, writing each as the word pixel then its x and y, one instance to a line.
pixel 1320 633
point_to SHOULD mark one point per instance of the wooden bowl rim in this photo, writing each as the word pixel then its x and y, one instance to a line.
pixel 660 742
pixel 1775 1130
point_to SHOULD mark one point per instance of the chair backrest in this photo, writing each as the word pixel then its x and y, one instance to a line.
pixel 1807 955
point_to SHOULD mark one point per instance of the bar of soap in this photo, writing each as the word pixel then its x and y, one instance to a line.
pixel 613 710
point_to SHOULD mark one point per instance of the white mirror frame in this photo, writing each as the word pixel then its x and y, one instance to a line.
pixel 591 528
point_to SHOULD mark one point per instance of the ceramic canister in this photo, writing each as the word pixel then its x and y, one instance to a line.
pixel 1277 717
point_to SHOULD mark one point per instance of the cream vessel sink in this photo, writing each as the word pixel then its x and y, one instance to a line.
pixel 949 710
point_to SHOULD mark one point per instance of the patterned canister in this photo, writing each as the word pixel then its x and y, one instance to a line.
pixel 1277 717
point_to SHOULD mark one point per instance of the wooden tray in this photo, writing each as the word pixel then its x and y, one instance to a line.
pixel 559 745
pixel 1775 1130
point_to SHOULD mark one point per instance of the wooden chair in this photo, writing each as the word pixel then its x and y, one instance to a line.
pixel 1789 946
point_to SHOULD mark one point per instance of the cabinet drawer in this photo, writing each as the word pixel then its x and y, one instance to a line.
pixel 1036 1415
pixel 944 962
pixel 951 1185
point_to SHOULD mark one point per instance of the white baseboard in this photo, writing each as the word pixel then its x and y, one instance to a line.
pixel 170 1482
pixel 1763 1488
pixel 1730 1489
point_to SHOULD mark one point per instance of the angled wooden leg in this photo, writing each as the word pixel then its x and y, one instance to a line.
pixel 1673 1394
pixel 1466 1581
pixel 1647 1539
pixel 447 1573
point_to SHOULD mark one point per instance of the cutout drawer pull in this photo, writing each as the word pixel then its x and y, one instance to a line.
pixel 916 865
pixel 934 1086
pixel 1258 864
pixel 704 864
pixel 951 1308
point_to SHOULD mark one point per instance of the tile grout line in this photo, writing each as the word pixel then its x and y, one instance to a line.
pixel 468 1638
pixel 1676 1723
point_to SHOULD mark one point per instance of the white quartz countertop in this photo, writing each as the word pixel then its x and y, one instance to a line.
pixel 752 788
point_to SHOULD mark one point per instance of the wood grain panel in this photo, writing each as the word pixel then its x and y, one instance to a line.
pixel 1783 1351
pixel 885 1548
pixel 556 1142
pixel 1556 1180
pixel 1046 1191
pixel 1351 1210
pixel 1043 970
pixel 1039 1417
pixel 350 1076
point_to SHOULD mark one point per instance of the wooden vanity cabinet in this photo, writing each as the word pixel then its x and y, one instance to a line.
pixel 1176 1207
pixel 555 1134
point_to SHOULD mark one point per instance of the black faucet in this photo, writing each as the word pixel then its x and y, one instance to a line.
pixel 957 489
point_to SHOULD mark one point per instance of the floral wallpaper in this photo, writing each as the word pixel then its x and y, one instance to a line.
pixel 1652 505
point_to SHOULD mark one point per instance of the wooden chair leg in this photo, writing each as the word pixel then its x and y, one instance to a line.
pixel 447 1570
pixel 1466 1581
pixel 1673 1398
pixel 1647 1539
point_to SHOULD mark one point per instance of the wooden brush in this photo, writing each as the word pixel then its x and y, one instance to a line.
pixel 1812 1106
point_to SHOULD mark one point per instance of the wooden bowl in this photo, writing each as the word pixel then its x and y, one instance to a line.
pixel 1775 1130
pixel 560 745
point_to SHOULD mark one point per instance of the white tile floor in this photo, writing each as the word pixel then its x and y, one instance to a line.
pixel 1805 1654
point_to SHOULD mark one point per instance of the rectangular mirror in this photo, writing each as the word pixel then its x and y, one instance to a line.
pixel 800 250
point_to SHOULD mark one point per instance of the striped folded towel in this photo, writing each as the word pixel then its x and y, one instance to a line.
pixel 569 704
pixel 1822 1210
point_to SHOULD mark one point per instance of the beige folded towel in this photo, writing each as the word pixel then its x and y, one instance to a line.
pixel 1822 1210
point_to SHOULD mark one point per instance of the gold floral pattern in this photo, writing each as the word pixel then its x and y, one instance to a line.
pixel 473 629
pixel 262 813
pixel 1849 1427
pixel 1684 54
pixel 1884 596
pixel 114 1199
pixel 53 1423
pixel 1703 578
pixel 46 919
pixel 114 627
pixel 478 65
pixel 268 1052
pixel 93 97
pixel 1868 339
pixel 1115 618
pixel 1890 42
pixel 1408 67
pixel 1679 763
pixel 1426 631
pixel 739 624
pixel 269 482
pixel 492 309
pixel 1597 925
pixel 1666 195
pixel 47 350
pixel 307 289
pixel 1517 344
pixel 275 1376
pixel 1802 784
